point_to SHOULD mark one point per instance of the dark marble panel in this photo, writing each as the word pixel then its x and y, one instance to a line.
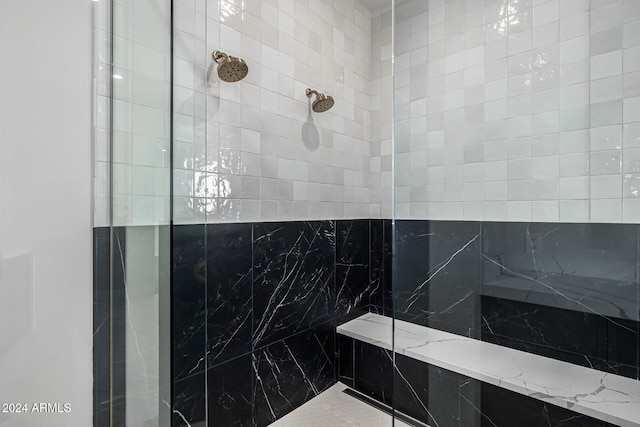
pixel 229 393
pixel 581 276
pixel 426 392
pixel 189 400
pixel 101 326
pixel 229 297
pixel 118 327
pixel 188 300
pixel 411 389
pixel 373 372
pixel 388 237
pixel 503 408
pixel 583 339
pixel 345 360
pixel 592 268
pixel 530 244
pixel 306 274
pixel 290 372
pixel 376 266
pixel 352 269
pixel 623 351
pixel 438 274
pixel 580 333
pixel 293 278
pixel 470 395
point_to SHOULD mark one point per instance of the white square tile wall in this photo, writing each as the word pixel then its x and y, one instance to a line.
pixel 532 108
pixel 381 156
pixel 509 110
pixel 101 151
pixel 252 150
pixel 141 92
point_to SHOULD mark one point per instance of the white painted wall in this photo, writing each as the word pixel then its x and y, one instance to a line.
pixel 45 209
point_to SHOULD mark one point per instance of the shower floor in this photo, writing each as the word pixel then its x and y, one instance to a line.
pixel 335 408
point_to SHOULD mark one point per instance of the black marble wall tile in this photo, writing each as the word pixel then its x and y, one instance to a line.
pixel 109 326
pixel 411 390
pixel 279 281
pixel 503 408
pixel 590 268
pixel 345 361
pixel 119 326
pixel 229 393
pixel 290 372
pixel 293 278
pixel 581 276
pixel 470 398
pixel 438 274
pixel 623 348
pixel 352 269
pixel 453 262
pixel 584 339
pixel 229 296
pixel 189 400
pixel 525 242
pixel 103 310
pixel 376 266
pixel 188 300
pixel 101 327
pixel 373 372
pixel 268 294
pixel 580 333
pixel 388 237
pixel 426 392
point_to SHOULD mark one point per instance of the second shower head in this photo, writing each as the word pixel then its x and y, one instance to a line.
pixel 322 102
pixel 230 68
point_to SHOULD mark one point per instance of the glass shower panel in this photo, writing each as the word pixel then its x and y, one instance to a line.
pixel 193 180
pixel 516 284
pixel 137 237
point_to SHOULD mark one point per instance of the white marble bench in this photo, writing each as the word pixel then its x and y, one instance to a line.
pixel 611 398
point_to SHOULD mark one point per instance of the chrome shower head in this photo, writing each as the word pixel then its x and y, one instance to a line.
pixel 230 68
pixel 322 103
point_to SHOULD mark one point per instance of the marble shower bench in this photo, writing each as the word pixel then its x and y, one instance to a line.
pixel 607 397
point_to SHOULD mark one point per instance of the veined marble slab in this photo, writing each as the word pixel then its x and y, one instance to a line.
pixel 617 300
pixel 597 394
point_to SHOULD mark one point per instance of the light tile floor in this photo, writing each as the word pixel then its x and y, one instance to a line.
pixel 333 408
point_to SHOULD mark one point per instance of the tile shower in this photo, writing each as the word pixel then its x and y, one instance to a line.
pixel 477 175
pixel 271 295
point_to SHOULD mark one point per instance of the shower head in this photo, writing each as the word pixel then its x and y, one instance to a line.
pixel 322 103
pixel 230 68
